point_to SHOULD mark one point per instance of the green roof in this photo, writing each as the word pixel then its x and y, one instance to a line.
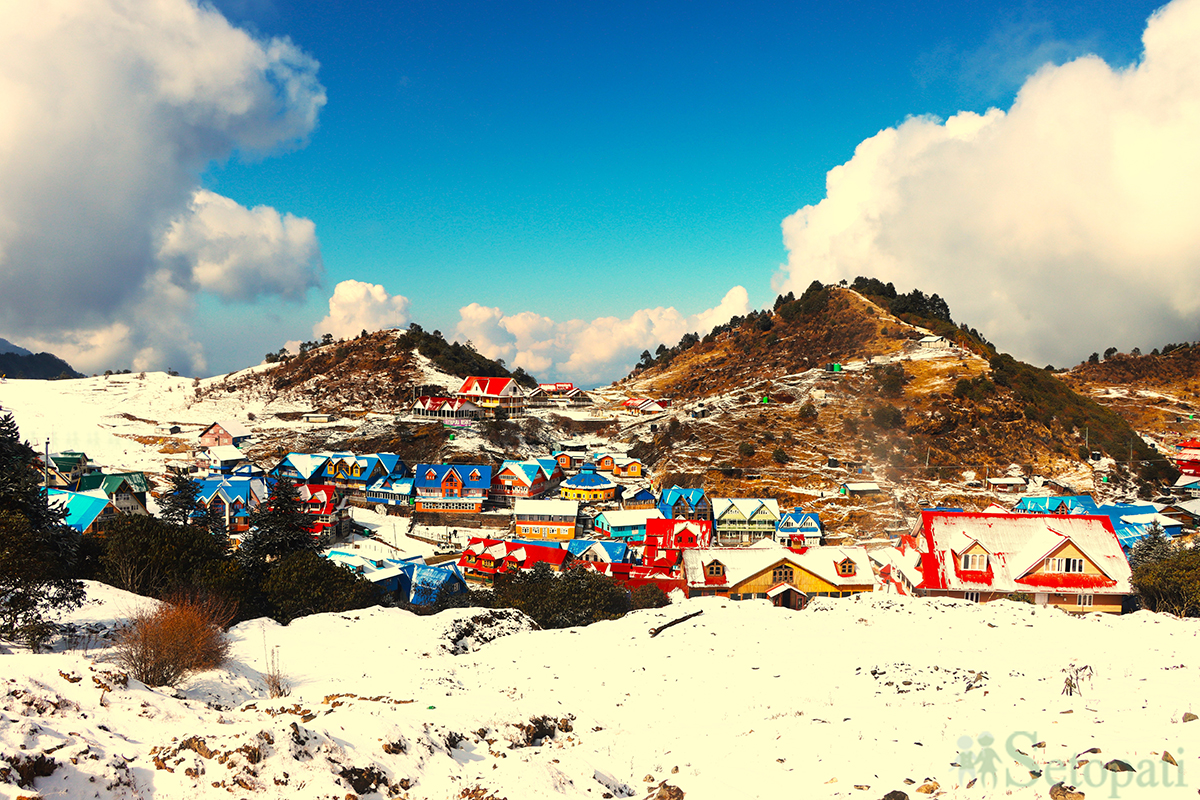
pixel 110 483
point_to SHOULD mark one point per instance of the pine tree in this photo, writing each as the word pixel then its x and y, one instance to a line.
pixel 1154 548
pixel 37 551
pixel 179 502
pixel 278 527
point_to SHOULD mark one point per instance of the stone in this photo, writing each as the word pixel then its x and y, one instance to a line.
pixel 1060 792
pixel 928 787
pixel 1117 765
pixel 1170 759
pixel 1189 716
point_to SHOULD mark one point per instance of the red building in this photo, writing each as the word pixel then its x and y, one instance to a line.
pixel 484 559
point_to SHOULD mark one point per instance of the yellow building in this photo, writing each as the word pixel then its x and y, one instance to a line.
pixel 587 486
pixel 769 571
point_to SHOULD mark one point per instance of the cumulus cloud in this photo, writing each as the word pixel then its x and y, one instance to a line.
pixel 356 306
pixel 587 352
pixel 1058 227
pixel 241 253
pixel 109 112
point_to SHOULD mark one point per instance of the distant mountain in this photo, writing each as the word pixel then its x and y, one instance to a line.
pixel 8 347
pixel 35 366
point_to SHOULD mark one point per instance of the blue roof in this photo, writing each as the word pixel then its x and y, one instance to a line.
pixel 82 509
pixel 642 494
pixel 799 520
pixel 616 550
pixel 463 471
pixel 673 495
pixel 422 584
pixel 1073 504
pixel 588 478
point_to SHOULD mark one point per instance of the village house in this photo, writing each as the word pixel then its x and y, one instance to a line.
pixel 559 395
pixel 666 539
pixel 451 487
pixel 799 528
pixel 355 473
pixel 587 486
pixel 933 342
pixel 228 432
pixel 767 571
pixel 493 395
pixel 643 405
pixel 1009 483
pixel 1187 457
pixel 680 503
pixel 741 521
pixel 530 478
pixel 66 468
pixel 86 512
pixel 545 519
pixel 300 467
pixel 484 559
pixel 571 458
pixel 452 408
pixel 329 514
pixel 625 467
pixel 626 525
pixel 222 459
pixel 391 491
pixel 859 488
pixel 316 417
pixel 1072 561
pixel 639 498
pixel 231 498
pixel 126 490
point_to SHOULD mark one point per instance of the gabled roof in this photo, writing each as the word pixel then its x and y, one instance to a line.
pixel 489 387
pixel 527 471
pixel 588 478
pixel 306 464
pixel 520 554
pixel 110 484
pixel 799 520
pixel 1017 544
pixel 82 508
pixel 606 550
pixel 231 426
pixel 746 506
pixel 430 475
pixel 744 562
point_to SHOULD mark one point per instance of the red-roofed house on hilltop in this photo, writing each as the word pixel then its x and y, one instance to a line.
pixel 225 432
pixel 493 394
pixel 1187 457
pixel 445 408
pixel 1072 561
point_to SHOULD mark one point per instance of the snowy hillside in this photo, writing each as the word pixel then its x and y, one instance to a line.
pixel 851 698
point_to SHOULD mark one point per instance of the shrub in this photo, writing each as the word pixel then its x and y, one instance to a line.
pixel 648 596
pixel 887 417
pixel 779 456
pixel 1171 585
pixel 162 646
pixel 746 450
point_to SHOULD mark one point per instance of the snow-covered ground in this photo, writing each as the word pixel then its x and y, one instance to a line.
pixel 850 698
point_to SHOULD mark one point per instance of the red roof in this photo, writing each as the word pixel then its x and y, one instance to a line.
pixel 484 387
pixel 513 555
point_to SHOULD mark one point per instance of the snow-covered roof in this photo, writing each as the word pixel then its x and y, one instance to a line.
pixel 226 452
pixel 551 508
pixel 1016 544
pixel 745 562
pixel 632 517
pixel 746 506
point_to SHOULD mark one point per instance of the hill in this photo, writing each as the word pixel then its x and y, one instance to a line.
pixel 777 415
pixel 35 366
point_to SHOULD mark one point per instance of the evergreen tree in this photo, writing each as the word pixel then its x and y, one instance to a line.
pixel 1154 548
pixel 179 501
pixel 148 556
pixel 303 583
pixel 37 551
pixel 278 527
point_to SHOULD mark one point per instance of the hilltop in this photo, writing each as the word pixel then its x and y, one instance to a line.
pixel 766 412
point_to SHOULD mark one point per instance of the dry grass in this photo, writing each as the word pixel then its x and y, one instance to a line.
pixel 277 684
pixel 163 645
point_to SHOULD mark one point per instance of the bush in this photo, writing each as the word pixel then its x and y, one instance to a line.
pixel 579 596
pixel 887 417
pixel 648 596
pixel 1171 585
pixel 779 456
pixel 162 646
pixel 746 450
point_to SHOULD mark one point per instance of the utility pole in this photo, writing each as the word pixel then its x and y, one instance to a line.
pixel 46 466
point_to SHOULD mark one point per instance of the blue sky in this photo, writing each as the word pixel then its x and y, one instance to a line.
pixel 581 161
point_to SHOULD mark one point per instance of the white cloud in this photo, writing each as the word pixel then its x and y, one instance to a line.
pixel 356 306
pixel 587 352
pixel 1059 227
pixel 240 253
pixel 109 112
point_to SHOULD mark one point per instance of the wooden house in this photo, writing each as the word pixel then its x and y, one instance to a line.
pixel 799 528
pixel 859 488
pixel 680 503
pixel 232 498
pixel 625 525
pixel 625 467
pixel 455 408
pixel 933 342
pixel 767 571
pixel 639 498
pixel 493 394
pixel 742 520
pixel 451 487
pixel 533 477
pixel 1072 561
pixel 66 468
pixel 354 473
pixel 228 432
pixel 301 467
pixel 86 512
pixel 126 490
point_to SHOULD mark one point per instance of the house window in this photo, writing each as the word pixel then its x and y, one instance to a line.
pixel 846 567
pixel 975 562
pixel 782 575
pixel 474 475
pixel 1085 601
pixel 971 597
pixel 1064 565
pixel 430 475
pixel 715 569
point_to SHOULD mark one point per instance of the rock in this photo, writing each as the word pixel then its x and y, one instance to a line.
pixel 1189 716
pixel 1117 765
pixel 1060 792
pixel 665 791
pixel 1170 759
pixel 895 795
pixel 928 787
